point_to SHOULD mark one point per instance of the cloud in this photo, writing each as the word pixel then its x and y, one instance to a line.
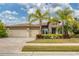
pixel 52 7
pixel 7 12
pixel 45 6
pixel 31 10
pixel 76 13
pixel 23 9
pixel 11 17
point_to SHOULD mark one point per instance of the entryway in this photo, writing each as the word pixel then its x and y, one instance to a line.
pixel 53 30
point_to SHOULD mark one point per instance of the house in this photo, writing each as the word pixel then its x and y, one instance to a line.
pixel 51 28
pixel 24 30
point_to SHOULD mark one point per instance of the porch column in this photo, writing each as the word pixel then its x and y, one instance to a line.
pixel 57 29
pixel 50 29
pixel 29 32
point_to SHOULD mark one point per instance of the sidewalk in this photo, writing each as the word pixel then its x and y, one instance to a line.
pixel 39 53
pixel 52 44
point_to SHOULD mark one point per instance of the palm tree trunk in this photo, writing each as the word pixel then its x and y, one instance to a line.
pixel 62 27
pixel 57 29
pixel 30 30
pixel 65 31
pixel 40 26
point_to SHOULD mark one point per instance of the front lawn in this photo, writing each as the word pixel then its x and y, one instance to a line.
pixel 72 40
pixel 50 49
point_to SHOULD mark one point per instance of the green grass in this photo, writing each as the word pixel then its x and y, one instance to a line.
pixel 72 40
pixel 50 49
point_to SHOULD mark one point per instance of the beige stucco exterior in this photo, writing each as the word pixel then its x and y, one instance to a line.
pixel 17 33
pixel 22 31
pixel 34 33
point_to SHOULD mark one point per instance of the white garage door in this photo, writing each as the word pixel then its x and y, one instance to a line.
pixel 18 33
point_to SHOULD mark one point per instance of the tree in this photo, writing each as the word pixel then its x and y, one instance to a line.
pixel 76 27
pixel 64 15
pixel 29 20
pixel 38 16
pixel 3 32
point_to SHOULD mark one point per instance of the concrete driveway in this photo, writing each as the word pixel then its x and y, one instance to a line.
pixel 12 45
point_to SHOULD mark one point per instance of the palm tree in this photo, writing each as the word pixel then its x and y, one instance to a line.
pixel 29 20
pixel 38 16
pixel 64 16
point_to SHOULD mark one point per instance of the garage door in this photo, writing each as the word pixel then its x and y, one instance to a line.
pixel 18 33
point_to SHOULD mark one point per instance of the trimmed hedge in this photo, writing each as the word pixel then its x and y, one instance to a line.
pixel 76 36
pixel 49 36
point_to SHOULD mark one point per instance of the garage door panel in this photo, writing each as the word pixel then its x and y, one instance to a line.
pixel 17 33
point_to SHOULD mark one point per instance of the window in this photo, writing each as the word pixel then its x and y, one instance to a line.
pixel 45 31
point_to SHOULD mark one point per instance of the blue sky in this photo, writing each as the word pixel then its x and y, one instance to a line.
pixel 15 13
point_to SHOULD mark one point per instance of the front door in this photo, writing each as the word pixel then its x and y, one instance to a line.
pixel 53 30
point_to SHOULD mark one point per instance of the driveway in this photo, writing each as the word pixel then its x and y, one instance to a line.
pixel 12 45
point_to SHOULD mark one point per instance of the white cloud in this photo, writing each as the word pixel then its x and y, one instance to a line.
pixel 23 9
pixel 57 8
pixel 31 10
pixel 9 12
pixel 51 6
pixel 9 17
pixel 68 5
pixel 14 12
pixel 38 4
pixel 76 13
pixel 23 17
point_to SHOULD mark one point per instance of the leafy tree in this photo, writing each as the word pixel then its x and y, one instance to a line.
pixel 3 32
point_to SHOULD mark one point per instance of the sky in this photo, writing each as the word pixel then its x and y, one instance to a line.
pixel 16 13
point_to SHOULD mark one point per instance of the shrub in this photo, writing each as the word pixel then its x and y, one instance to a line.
pixel 39 36
pixel 55 36
pixel 76 31
pixel 76 36
pixel 45 36
pixel 49 36
pixel 3 32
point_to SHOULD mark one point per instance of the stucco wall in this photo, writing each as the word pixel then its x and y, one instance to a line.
pixel 34 32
